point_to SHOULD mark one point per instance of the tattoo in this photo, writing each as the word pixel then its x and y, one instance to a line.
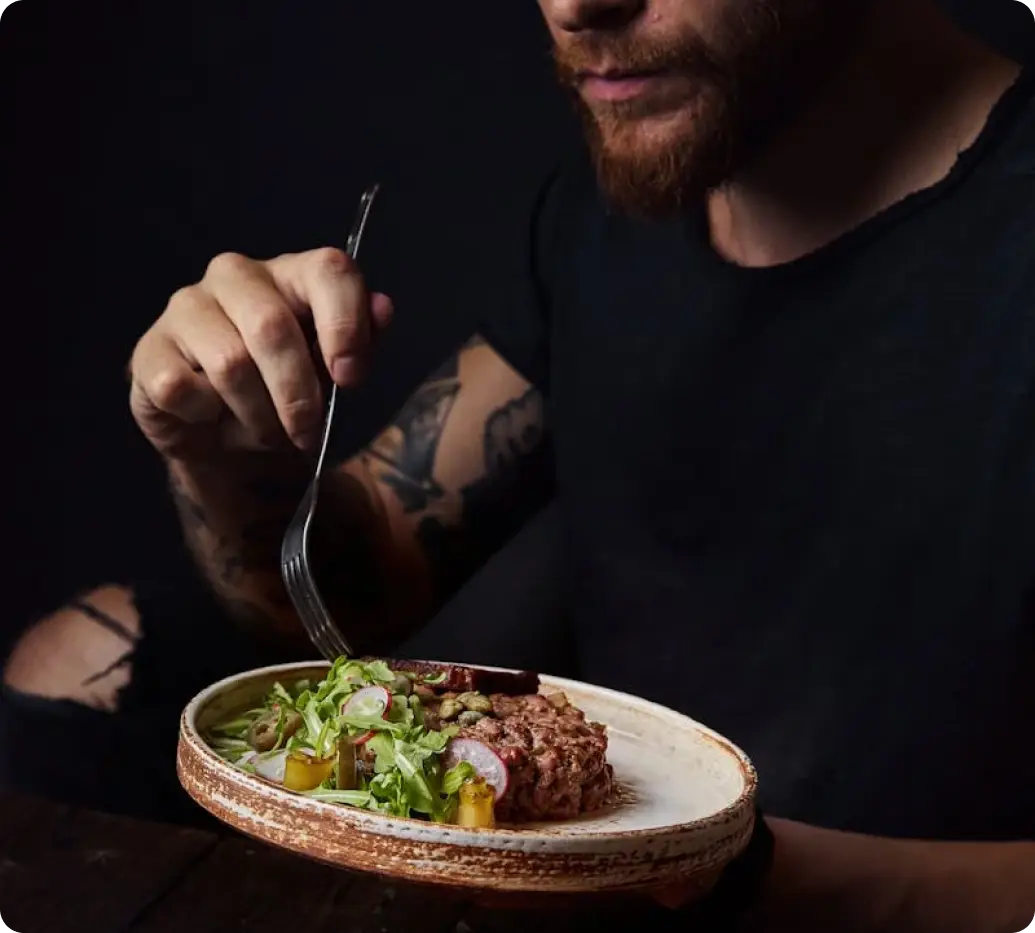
pixel 258 546
pixel 518 480
pixel 244 566
pixel 104 620
pixel 513 432
pixel 409 446
pixel 191 514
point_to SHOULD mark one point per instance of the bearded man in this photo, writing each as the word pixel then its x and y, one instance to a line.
pixel 772 345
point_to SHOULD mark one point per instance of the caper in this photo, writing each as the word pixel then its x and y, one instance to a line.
pixel 450 709
pixel 477 703
pixel 470 718
pixel 402 685
pixel 558 700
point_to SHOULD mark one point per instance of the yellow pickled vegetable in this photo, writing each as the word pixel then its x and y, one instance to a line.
pixel 301 772
pixel 477 805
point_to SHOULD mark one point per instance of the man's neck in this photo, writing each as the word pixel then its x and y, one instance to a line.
pixel 892 120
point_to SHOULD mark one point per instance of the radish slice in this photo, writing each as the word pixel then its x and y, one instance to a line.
pixel 489 766
pixel 271 767
pixel 370 702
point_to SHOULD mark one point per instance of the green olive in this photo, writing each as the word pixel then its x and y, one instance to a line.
pixel 262 736
pixel 470 718
pixel 401 685
pixel 347 778
pixel 477 703
pixel 450 709
pixel 292 722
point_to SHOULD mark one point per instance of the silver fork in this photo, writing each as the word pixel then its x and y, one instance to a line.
pixel 294 552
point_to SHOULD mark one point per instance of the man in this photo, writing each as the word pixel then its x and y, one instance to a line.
pixel 776 351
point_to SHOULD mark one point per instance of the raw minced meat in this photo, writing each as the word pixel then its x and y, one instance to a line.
pixel 556 758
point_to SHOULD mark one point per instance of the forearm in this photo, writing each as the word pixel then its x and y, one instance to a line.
pixel 827 881
pixel 234 515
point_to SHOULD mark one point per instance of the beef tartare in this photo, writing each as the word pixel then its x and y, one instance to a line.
pixel 556 761
pixel 441 742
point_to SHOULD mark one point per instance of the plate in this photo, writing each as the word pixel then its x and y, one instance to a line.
pixel 686 806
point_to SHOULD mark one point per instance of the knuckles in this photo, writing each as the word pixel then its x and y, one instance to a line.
pixel 230 367
pixel 300 415
pixel 167 389
pixel 273 326
pixel 227 265
pixel 331 262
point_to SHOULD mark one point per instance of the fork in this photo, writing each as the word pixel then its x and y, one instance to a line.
pixel 294 551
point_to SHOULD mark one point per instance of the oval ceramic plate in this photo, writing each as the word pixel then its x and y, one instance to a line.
pixel 686 807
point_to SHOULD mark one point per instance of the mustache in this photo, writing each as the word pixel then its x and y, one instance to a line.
pixel 690 56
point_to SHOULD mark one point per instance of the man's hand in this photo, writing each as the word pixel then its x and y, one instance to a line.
pixel 229 365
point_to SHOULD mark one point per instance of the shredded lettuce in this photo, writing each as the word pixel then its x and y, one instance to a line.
pixel 408 776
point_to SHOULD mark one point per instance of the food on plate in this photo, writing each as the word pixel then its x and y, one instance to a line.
pixel 445 743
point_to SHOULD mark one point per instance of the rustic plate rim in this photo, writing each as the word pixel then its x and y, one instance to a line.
pixel 370 820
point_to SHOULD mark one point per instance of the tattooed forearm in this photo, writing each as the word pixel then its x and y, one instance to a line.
pixel 513 433
pixel 409 446
pixel 461 515
pixel 233 522
pixel 516 482
pixel 402 524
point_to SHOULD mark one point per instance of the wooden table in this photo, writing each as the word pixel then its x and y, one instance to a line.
pixel 64 870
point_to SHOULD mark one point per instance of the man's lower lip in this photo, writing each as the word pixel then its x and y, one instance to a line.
pixel 617 88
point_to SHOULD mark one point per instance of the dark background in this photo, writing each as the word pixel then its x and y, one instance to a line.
pixel 139 140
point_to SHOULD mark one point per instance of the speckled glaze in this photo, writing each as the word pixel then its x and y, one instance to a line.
pixel 686 807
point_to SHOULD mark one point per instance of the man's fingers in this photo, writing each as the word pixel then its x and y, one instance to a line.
pixel 208 339
pixel 381 310
pixel 272 336
pixel 167 384
pixel 329 283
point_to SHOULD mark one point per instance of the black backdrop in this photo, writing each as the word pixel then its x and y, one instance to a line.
pixel 140 139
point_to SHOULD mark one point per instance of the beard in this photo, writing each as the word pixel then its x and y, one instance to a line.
pixel 724 98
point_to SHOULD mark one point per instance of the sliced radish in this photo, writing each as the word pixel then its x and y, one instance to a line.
pixel 271 767
pixel 488 765
pixel 370 702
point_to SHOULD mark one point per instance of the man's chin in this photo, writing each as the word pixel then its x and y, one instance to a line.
pixel 656 166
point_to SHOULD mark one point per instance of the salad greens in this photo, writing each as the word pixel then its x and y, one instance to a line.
pixel 306 724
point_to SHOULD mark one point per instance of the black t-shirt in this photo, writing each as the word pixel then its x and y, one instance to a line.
pixel 799 502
